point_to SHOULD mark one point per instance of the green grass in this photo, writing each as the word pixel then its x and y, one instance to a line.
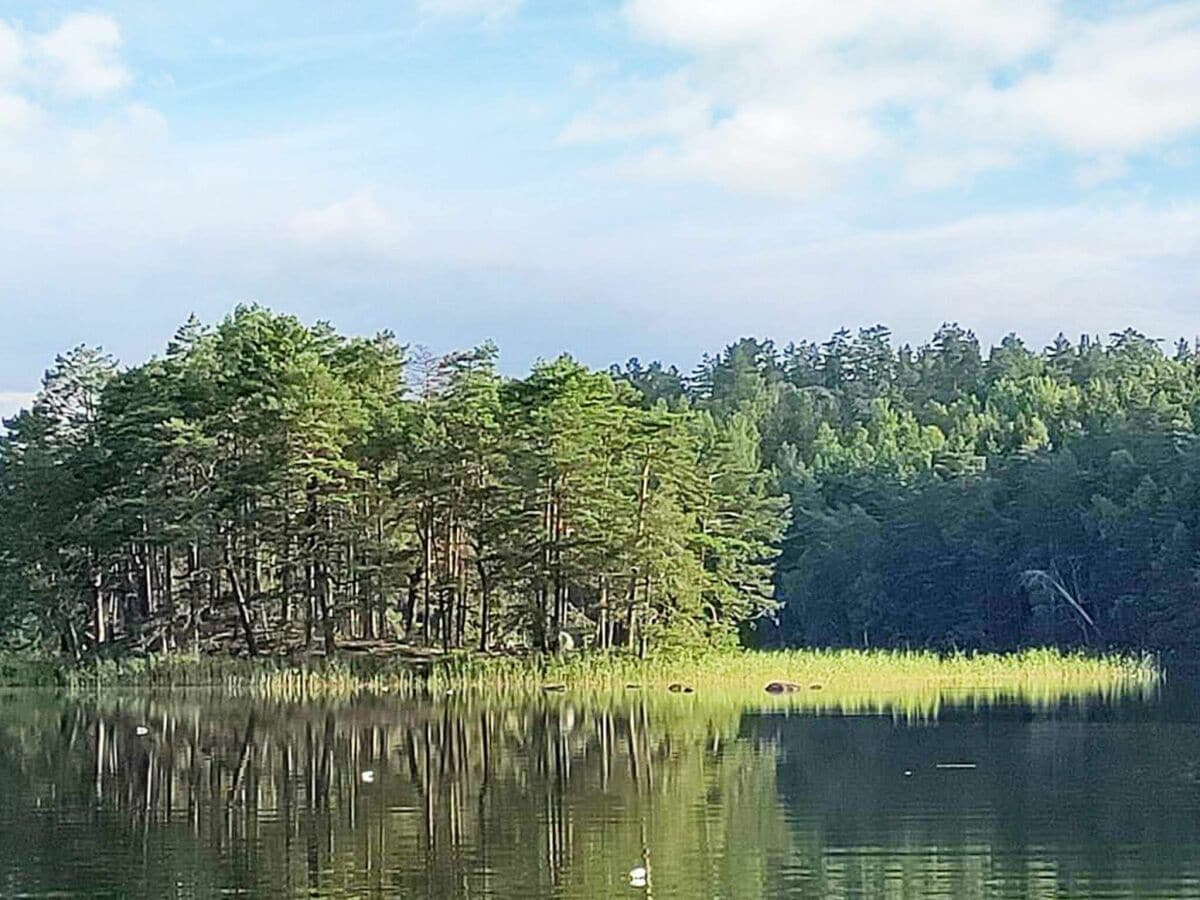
pixel 341 675
pixel 828 680
pixel 848 679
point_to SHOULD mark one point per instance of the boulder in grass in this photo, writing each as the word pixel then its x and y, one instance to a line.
pixel 782 687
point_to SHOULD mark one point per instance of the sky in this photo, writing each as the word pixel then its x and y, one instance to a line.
pixel 613 178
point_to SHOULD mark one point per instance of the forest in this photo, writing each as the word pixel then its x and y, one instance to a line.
pixel 265 486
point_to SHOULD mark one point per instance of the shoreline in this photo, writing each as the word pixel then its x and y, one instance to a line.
pixel 810 676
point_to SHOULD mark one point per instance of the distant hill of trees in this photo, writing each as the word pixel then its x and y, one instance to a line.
pixel 265 485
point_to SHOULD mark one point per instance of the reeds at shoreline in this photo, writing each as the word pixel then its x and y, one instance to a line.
pixel 814 679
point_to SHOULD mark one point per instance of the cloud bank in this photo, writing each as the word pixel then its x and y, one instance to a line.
pixel 77 59
pixel 826 132
pixel 799 95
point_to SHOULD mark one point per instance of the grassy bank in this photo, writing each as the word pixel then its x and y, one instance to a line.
pixel 914 684
pixel 809 670
pixel 849 680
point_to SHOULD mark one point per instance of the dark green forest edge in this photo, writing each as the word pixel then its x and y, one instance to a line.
pixel 273 489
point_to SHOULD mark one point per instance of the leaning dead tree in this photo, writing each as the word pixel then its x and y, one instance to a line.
pixel 1050 582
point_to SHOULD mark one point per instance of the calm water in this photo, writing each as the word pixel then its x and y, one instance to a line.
pixel 563 797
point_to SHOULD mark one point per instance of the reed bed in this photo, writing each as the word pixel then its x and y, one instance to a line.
pixel 858 678
pixel 914 684
pixel 280 677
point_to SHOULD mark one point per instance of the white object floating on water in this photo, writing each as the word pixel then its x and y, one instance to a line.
pixel 908 773
pixel 955 766
pixel 637 876
pixel 368 776
pixel 142 731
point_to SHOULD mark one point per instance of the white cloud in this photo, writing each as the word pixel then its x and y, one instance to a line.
pixel 1109 89
pixel 790 94
pixel 939 170
pixel 153 225
pixel 1115 86
pixel 132 133
pixel 50 157
pixel 80 57
pixel 694 284
pixel 989 30
pixel 1085 268
pixel 766 148
pixel 12 53
pixel 44 142
pixel 17 114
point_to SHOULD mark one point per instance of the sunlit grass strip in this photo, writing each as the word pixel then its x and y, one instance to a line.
pixel 878 671
pixel 905 684
pixel 847 681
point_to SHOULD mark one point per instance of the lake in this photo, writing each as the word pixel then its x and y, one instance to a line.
pixel 198 794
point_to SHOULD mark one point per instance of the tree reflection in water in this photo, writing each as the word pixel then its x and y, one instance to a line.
pixel 563 796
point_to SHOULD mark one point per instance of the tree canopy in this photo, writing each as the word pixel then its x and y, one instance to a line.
pixel 265 485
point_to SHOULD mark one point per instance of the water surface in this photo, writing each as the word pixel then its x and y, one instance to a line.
pixel 202 794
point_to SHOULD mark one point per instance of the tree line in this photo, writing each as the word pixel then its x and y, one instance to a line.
pixel 266 485
pixel 946 496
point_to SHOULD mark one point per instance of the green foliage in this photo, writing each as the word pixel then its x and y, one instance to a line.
pixel 926 484
pixel 267 486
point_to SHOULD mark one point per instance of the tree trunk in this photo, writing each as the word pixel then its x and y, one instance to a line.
pixel 645 616
pixel 485 608
pixel 449 599
pixel 311 576
pixel 146 575
pixel 286 574
pixel 239 596
pixel 414 588
pixel 327 628
pixel 461 622
pixel 602 616
pixel 381 595
pixel 426 571
pixel 560 582
pixel 631 615
pixel 72 639
pixel 550 598
pixel 169 598
pixel 310 601
pixel 193 563
pixel 95 579
pixel 643 494
pixel 360 594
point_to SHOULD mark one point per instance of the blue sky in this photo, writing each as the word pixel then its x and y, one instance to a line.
pixel 609 177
